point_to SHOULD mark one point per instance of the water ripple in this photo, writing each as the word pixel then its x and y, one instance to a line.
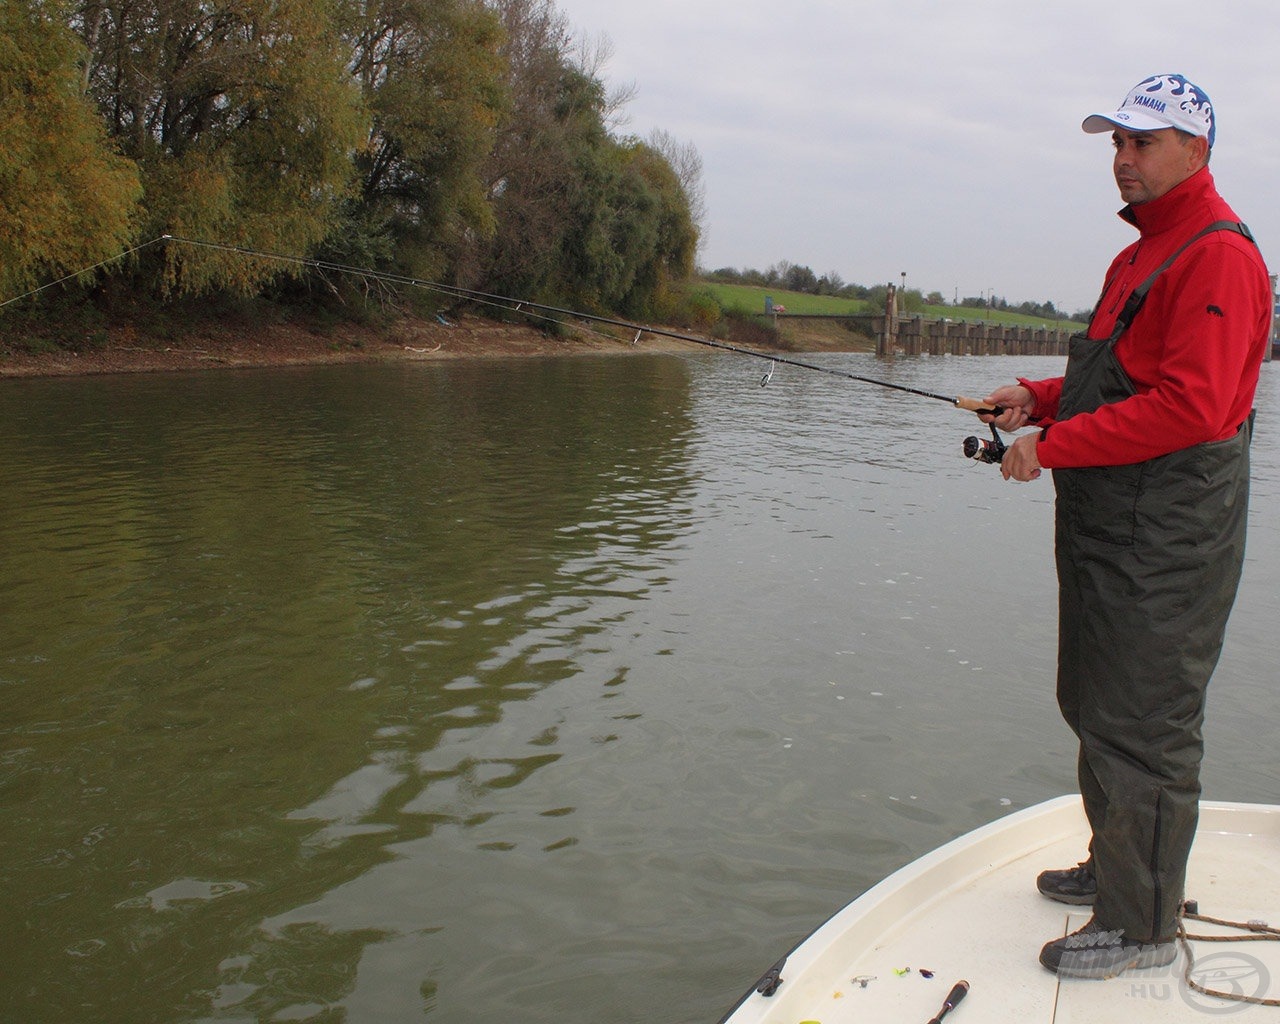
pixel 494 691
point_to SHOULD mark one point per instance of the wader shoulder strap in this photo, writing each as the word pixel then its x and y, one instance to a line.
pixel 1139 295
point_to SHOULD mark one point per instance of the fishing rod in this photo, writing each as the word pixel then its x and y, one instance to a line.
pixel 976 448
pixel 520 305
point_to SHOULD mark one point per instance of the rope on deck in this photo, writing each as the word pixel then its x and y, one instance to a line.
pixel 1252 931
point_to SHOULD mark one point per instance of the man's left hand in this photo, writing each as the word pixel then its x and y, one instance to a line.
pixel 1020 461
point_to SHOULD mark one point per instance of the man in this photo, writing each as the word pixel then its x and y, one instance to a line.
pixel 1147 435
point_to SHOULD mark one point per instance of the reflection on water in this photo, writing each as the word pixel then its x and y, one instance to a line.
pixel 252 624
pixel 546 690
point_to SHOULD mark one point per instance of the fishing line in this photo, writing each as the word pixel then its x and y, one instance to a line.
pixel 522 305
pixel 979 449
pixel 86 270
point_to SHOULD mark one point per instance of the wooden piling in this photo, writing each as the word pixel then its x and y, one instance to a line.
pixel 917 336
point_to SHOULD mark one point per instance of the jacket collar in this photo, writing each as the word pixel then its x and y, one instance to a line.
pixel 1172 208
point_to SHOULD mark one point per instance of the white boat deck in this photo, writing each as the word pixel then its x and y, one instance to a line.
pixel 970 911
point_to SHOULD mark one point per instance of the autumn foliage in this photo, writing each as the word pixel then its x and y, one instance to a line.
pixel 466 141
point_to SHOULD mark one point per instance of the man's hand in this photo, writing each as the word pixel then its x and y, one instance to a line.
pixel 1020 461
pixel 1017 403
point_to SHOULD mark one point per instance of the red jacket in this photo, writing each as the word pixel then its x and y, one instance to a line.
pixel 1193 352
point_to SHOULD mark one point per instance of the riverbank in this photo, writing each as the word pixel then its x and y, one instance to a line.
pixel 243 339
pixel 224 344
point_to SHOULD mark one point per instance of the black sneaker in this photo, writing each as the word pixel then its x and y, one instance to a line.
pixel 1095 952
pixel 1076 885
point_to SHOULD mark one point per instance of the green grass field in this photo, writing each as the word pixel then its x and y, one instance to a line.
pixel 750 299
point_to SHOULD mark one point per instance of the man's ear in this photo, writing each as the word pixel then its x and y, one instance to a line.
pixel 1199 151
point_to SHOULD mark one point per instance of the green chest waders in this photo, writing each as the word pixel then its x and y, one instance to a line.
pixel 1149 558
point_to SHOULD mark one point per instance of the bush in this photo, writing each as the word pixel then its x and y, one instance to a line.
pixel 698 309
pixel 747 329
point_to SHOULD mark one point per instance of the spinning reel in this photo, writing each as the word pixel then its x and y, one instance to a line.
pixel 982 450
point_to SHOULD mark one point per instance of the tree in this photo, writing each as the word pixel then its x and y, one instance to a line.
pixel 669 262
pixel 830 283
pixel 800 279
pixel 632 238
pixel 590 56
pixel 527 176
pixel 877 297
pixel 582 218
pixel 911 301
pixel 430 74
pixel 686 162
pixel 66 200
pixel 242 117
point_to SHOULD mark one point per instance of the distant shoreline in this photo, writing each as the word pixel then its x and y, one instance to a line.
pixel 239 342
pixel 404 340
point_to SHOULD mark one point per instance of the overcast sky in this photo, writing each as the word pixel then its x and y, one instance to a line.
pixel 941 139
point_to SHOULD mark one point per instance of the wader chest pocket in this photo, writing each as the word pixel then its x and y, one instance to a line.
pixel 1101 502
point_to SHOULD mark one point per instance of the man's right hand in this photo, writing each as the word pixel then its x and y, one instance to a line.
pixel 1018 404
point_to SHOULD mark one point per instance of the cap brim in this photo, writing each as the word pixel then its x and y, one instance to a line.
pixel 1134 120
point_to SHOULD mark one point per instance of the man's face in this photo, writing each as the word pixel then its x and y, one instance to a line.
pixel 1148 164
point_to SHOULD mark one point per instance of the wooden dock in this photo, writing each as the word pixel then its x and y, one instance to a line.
pixel 918 336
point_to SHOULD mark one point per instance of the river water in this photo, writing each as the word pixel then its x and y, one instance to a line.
pixel 555 690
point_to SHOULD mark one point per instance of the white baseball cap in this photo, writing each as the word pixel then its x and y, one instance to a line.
pixel 1161 101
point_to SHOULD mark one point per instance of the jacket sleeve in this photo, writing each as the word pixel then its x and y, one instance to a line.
pixel 1190 354
pixel 1046 394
